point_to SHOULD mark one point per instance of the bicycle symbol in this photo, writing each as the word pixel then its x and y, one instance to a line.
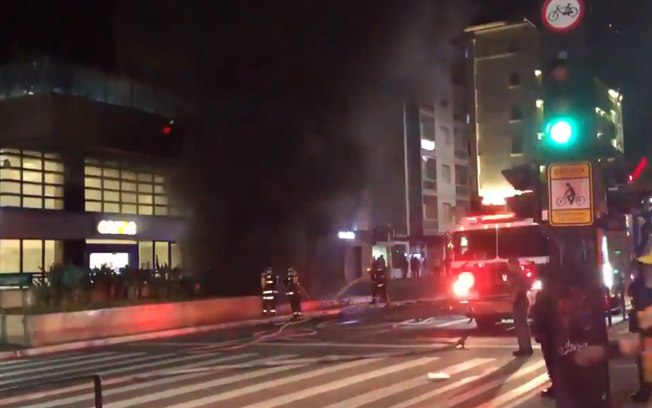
pixel 570 11
pixel 577 200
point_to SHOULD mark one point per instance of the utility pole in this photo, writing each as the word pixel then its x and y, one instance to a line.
pixel 568 197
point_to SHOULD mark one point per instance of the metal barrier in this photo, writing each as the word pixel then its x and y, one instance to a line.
pixel 97 386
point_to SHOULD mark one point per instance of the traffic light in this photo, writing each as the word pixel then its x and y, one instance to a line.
pixel 567 121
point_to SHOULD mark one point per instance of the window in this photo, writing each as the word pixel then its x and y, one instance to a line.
pixel 522 242
pixel 514 79
pixel 427 126
pixel 447 134
pixel 446 173
pixel 162 254
pixel 146 254
pixel 430 207
pixel 9 255
pixel 431 169
pixel 516 114
pixel 461 175
pixel 175 256
pixel 110 188
pixel 474 245
pixel 26 178
pixel 517 143
pixel 32 255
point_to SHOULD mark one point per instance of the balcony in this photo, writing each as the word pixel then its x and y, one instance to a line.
pixel 45 75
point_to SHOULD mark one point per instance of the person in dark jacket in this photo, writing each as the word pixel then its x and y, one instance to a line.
pixel 521 307
pixel 293 292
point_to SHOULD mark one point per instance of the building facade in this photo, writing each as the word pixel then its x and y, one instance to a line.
pixel 85 169
pixel 504 66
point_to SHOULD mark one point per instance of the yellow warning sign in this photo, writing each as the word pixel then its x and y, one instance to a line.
pixel 570 194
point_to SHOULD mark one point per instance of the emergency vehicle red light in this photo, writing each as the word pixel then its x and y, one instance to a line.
pixel 166 130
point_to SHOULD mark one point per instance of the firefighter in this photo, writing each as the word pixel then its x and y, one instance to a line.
pixel 379 283
pixel 293 292
pixel 269 281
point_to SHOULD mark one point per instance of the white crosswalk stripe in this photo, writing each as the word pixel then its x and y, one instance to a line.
pixel 165 379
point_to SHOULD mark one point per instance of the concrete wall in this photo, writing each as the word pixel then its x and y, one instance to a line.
pixel 56 328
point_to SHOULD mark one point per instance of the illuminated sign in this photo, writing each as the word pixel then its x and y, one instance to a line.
pixel 348 235
pixel 110 227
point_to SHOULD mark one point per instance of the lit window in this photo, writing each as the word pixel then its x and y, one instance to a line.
pixel 32 202
pixel 160 210
pixel 146 254
pixel 144 199
pixel 54 178
pixel 32 255
pixel 30 163
pixel 9 201
pixel 129 209
pixel 161 254
pixel 175 256
pixel 33 189
pixel 9 256
pixel 32 176
pixel 128 197
pixel 111 207
pixel 112 173
pixel 111 184
pixel 93 206
pixel 145 209
pixel 92 194
pixel 52 191
pixel 128 186
pixel 53 166
pixel 53 204
pixel 112 196
pixel 9 187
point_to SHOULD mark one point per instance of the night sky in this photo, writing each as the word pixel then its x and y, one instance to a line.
pixel 290 84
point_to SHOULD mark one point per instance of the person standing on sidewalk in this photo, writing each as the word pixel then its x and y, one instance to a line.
pixel 520 307
pixel 640 291
pixel 543 329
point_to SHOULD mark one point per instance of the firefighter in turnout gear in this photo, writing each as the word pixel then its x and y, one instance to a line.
pixel 378 273
pixel 269 280
pixel 293 292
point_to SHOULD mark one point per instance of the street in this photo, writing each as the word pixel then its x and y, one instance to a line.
pixel 405 356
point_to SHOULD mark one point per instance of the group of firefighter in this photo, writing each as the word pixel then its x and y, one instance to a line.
pixel 269 282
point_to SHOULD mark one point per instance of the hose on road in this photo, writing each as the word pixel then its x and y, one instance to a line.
pixel 263 336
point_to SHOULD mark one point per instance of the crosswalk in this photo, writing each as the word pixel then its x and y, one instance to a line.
pixel 256 380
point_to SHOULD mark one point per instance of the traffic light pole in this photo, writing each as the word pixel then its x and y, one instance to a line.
pixel 575 284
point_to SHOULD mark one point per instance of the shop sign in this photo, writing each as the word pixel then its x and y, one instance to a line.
pixel 114 227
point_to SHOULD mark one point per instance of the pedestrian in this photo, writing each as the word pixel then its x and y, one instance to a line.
pixel 269 280
pixel 543 314
pixel 640 290
pixel 415 265
pixel 293 292
pixel 520 306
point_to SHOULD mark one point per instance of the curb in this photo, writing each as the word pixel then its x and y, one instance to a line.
pixel 85 344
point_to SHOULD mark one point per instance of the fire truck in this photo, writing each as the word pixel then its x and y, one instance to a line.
pixel 477 252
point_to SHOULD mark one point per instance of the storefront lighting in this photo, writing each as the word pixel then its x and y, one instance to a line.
pixel 346 235
pixel 112 227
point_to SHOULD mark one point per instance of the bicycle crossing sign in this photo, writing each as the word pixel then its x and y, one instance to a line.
pixel 570 194
pixel 562 15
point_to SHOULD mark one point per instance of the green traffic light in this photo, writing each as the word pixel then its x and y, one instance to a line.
pixel 561 130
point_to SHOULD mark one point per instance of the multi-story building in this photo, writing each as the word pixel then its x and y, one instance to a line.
pixel 504 65
pixel 85 166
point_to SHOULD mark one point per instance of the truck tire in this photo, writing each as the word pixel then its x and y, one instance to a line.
pixel 486 322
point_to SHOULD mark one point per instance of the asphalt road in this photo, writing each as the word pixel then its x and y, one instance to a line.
pixel 408 356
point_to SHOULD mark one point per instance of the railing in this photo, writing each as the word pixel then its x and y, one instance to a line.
pixel 45 75
pixel 97 386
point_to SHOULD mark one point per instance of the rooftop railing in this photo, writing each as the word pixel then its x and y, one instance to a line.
pixel 46 75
